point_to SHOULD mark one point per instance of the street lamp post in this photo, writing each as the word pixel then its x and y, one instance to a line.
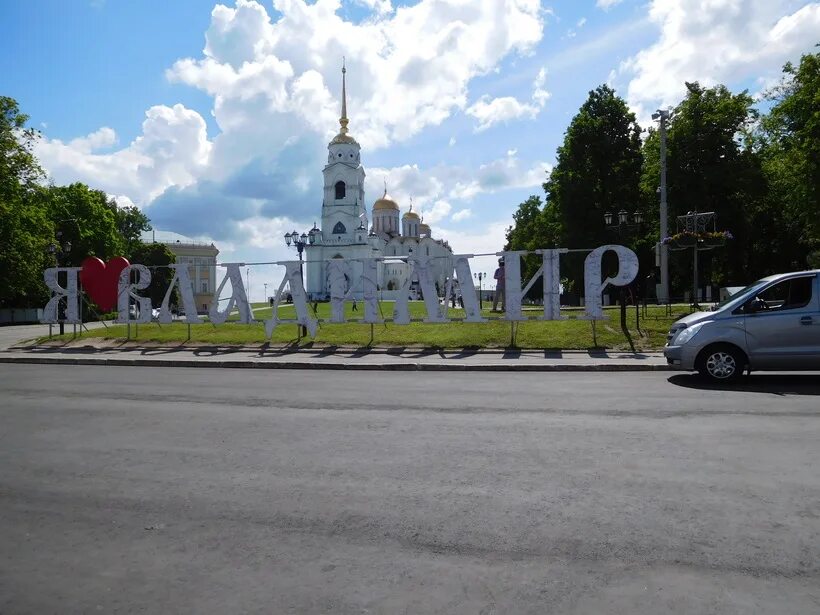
pixel 662 116
pixel 480 276
pixel 623 224
pixel 299 242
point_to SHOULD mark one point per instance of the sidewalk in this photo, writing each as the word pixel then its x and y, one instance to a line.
pixel 407 359
pixel 306 357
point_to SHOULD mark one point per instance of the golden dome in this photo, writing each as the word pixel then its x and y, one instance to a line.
pixel 424 228
pixel 385 203
pixel 411 215
pixel 343 138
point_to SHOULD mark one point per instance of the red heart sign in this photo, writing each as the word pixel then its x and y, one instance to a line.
pixel 100 281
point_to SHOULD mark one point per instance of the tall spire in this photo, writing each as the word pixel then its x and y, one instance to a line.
pixel 343 120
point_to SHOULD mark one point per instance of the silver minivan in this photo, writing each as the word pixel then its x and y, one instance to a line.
pixel 773 324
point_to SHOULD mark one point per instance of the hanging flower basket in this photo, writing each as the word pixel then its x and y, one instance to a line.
pixel 704 241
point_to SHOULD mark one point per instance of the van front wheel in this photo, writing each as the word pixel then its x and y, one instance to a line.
pixel 721 363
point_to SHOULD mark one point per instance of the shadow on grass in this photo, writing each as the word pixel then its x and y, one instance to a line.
pixel 775 384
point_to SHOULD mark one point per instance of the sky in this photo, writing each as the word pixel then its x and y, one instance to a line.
pixel 214 118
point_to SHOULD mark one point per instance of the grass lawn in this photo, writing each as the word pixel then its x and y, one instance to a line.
pixel 572 333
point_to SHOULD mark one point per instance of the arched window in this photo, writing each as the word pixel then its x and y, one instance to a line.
pixel 340 190
pixel 339 229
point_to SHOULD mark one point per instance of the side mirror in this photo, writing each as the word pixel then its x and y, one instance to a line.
pixel 755 305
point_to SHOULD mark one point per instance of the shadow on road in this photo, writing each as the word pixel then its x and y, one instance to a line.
pixel 777 384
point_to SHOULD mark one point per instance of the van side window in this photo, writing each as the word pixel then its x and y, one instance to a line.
pixel 789 294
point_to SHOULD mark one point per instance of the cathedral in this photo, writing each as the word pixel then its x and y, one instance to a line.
pixel 344 231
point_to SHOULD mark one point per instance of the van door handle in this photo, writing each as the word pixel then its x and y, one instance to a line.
pixel 806 320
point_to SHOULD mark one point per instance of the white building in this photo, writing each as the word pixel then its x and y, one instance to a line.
pixel 344 232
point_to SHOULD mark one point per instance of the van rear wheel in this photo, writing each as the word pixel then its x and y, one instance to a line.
pixel 721 363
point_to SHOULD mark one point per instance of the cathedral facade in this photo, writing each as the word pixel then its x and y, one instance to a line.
pixel 344 232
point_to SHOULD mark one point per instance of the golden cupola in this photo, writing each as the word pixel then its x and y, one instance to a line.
pixel 385 203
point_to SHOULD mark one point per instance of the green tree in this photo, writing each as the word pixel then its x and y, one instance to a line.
pixel 710 167
pixel 131 224
pixel 533 227
pixel 598 170
pixel 25 230
pixel 157 257
pixel 790 152
pixel 85 219
pixel 19 169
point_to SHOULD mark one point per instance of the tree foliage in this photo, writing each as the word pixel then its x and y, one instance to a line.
pixel 156 256
pixel 709 169
pixel 789 140
pixel 39 222
pixel 759 174
pixel 25 229
pixel 597 171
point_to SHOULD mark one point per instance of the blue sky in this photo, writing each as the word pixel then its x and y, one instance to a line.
pixel 215 119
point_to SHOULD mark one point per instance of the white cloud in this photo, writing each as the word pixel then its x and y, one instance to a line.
pixel 716 41
pixel 405 72
pixel 122 200
pixel 452 141
pixel 607 4
pixel 439 210
pixel 581 22
pixel 445 182
pixel 500 111
pixel 104 137
pixel 172 150
pixel 498 175
pixel 461 214
pixel 493 111
pixel 488 240
pixel 539 94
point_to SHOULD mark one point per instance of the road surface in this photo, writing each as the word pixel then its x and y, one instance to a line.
pixel 225 491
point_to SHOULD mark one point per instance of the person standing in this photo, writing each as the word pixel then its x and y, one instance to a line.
pixel 499 286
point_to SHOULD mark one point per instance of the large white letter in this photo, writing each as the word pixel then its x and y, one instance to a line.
pixel 238 297
pixel 370 290
pixel 125 292
pixel 186 290
pixel 293 278
pixel 552 283
pixel 512 284
pixel 70 293
pixel 339 275
pixel 472 309
pixel 401 310
pixel 593 287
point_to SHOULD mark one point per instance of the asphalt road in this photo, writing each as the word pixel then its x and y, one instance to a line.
pixel 226 491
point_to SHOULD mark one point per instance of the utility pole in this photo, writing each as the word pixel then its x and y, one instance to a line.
pixel 663 297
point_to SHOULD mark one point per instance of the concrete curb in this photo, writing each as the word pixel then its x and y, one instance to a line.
pixel 390 366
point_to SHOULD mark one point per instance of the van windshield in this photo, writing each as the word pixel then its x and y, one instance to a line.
pixel 741 295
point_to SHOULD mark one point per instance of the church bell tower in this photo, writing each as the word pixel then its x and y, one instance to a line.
pixel 343 205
